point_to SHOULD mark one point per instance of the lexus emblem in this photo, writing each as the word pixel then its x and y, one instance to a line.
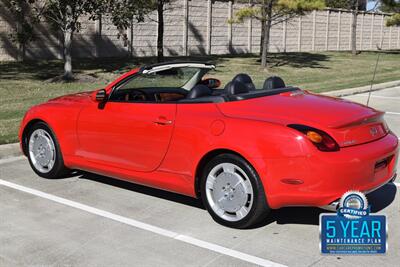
pixel 373 131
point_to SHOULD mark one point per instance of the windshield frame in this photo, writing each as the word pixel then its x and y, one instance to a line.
pixel 203 69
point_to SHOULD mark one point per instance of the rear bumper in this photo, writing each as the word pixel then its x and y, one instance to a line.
pixel 326 176
pixel 333 206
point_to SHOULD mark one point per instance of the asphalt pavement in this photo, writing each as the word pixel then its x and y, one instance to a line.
pixel 91 220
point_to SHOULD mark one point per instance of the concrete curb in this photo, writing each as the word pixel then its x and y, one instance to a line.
pixel 363 89
pixel 13 150
pixel 10 150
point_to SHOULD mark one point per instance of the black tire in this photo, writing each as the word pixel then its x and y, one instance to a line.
pixel 259 209
pixel 58 170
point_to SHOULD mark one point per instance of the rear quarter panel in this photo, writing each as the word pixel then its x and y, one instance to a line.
pixel 201 128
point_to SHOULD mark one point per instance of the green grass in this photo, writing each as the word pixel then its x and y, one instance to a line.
pixel 23 85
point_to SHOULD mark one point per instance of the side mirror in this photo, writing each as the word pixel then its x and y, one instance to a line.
pixel 211 83
pixel 99 95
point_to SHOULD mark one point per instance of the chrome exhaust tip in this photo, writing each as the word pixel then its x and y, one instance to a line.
pixel 394 178
pixel 333 206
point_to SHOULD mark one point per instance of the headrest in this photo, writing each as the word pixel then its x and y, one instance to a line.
pixel 235 87
pixel 246 79
pixel 274 82
pixel 199 90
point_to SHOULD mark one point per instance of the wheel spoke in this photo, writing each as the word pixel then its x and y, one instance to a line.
pixel 220 212
pixel 50 165
pixel 220 199
pixel 247 186
pixel 210 182
pixel 229 168
pixel 238 183
pixel 242 213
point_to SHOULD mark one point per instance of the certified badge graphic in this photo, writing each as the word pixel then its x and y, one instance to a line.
pixel 353 230
pixel 353 205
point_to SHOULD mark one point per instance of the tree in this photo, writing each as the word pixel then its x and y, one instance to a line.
pixel 160 29
pixel 65 16
pixel 391 6
pixel 124 12
pixel 346 4
pixel 25 19
pixel 354 6
pixel 271 12
pixel 394 20
pixel 160 6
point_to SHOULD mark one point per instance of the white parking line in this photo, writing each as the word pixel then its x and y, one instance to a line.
pixel 144 226
pixel 392 113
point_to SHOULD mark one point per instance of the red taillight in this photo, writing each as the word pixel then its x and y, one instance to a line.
pixel 328 144
pixel 320 139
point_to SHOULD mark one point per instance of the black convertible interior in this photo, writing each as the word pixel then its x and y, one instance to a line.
pixel 240 88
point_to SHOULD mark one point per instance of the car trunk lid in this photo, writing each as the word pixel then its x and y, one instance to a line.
pixel 347 122
pixel 360 131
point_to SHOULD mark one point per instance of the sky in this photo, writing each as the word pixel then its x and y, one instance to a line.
pixel 371 5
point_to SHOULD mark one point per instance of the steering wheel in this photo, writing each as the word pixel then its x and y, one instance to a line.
pixel 136 95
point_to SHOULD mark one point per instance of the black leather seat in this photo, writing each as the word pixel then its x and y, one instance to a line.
pixel 246 80
pixel 202 94
pixel 235 88
pixel 199 90
pixel 274 82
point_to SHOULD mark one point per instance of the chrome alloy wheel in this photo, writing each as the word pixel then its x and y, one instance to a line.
pixel 229 192
pixel 42 150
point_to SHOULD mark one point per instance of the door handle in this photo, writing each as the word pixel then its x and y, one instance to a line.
pixel 163 121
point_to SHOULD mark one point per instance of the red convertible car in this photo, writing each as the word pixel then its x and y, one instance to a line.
pixel 242 151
